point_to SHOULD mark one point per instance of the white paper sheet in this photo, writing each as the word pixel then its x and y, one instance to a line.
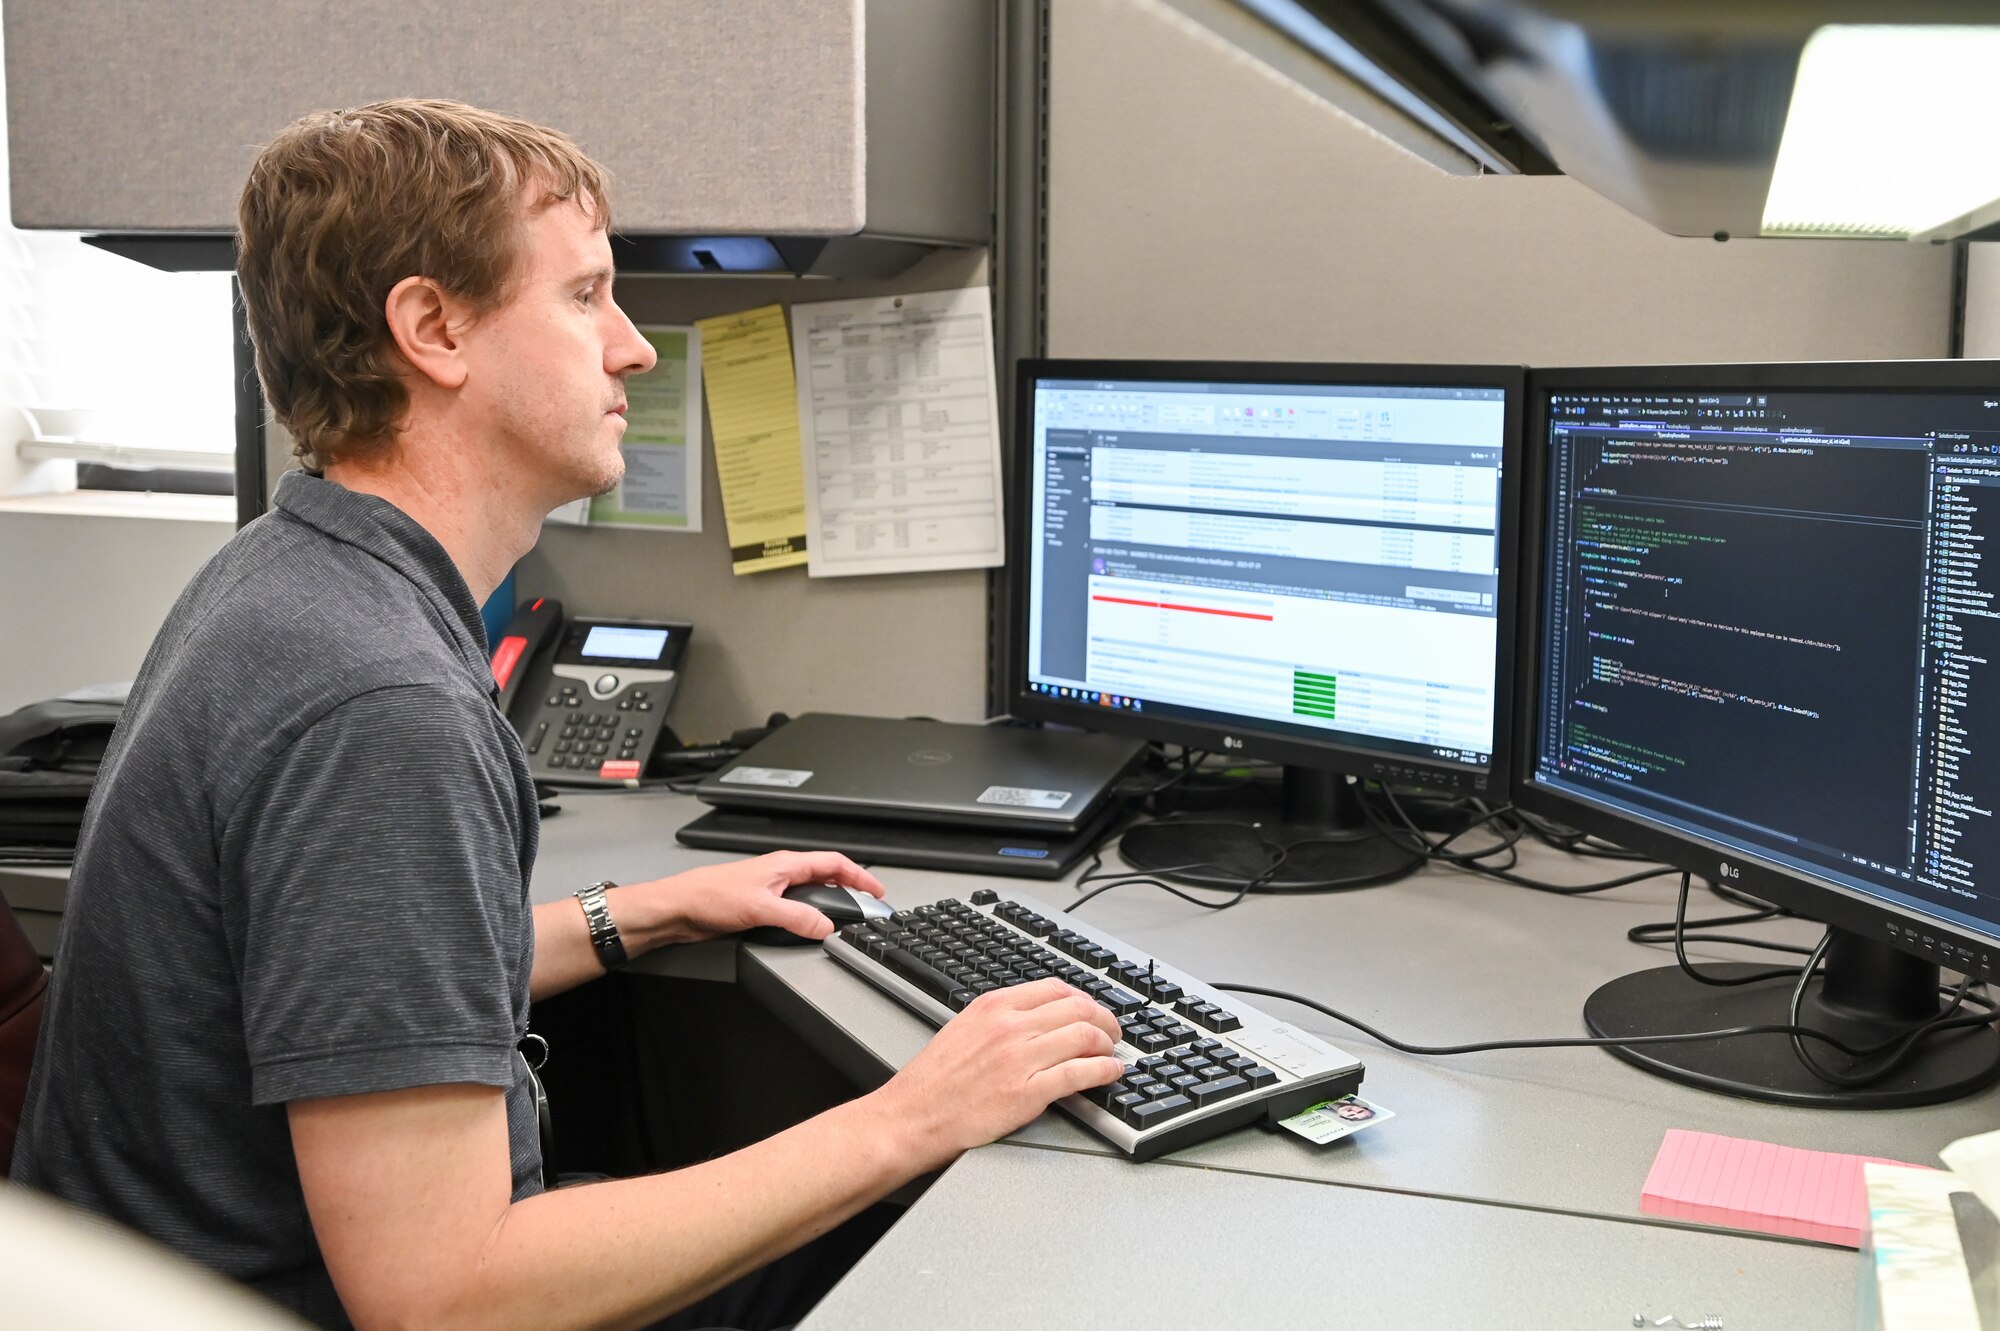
pixel 900 433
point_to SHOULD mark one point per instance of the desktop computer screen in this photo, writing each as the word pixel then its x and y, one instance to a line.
pixel 1762 634
pixel 1309 564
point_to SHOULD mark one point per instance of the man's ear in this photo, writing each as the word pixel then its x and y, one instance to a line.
pixel 420 318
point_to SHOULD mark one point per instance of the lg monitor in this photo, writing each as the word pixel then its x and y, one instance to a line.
pixel 1761 640
pixel 1304 564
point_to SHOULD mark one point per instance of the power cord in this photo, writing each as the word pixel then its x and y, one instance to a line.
pixel 1943 1021
pixel 1413 838
pixel 1887 1057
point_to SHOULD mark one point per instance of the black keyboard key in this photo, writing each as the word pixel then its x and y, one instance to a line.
pixel 1178 1033
pixel 1036 925
pixel 1259 1077
pixel 1102 1095
pixel 1121 1002
pixel 1036 973
pixel 1186 1004
pixel 1197 1063
pixel 1238 1064
pixel 1126 973
pixel 1152 1063
pixel 985 896
pixel 1165 991
pixel 1158 1111
pixel 1220 1089
pixel 1208 1046
pixel 1124 1103
pixel 960 999
pixel 1095 957
pixel 1151 1042
pixel 920 973
pixel 1224 1021
pixel 1187 1081
pixel 1214 1072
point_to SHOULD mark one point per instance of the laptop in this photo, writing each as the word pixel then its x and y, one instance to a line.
pixel 827 765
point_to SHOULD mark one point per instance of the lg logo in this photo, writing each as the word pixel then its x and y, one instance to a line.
pixel 1731 871
pixel 1231 742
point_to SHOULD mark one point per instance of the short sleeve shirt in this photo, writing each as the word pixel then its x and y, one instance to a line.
pixel 303 873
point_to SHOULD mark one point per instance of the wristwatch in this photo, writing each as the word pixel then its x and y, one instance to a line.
pixel 603 931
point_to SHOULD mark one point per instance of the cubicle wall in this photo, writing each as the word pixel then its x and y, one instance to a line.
pixel 1201 207
pixel 901 645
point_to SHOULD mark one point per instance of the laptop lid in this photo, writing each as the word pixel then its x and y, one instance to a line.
pixel 925 771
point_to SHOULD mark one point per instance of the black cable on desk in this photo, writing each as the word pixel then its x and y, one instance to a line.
pixel 1680 938
pixel 1414 839
pixel 1942 1022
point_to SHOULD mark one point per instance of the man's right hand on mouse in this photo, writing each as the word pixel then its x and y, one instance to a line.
pixel 999 1063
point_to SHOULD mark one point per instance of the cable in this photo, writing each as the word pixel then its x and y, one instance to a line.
pixel 1903 1046
pixel 1664 931
pixel 1469 861
pixel 1598 1042
pixel 1120 878
pixel 1720 981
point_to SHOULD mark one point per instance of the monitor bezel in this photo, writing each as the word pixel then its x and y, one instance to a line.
pixel 1489 782
pixel 1817 898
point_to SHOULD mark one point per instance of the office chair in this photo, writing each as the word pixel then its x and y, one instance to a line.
pixel 22 985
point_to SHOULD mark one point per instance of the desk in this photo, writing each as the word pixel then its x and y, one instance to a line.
pixel 1014 1237
pixel 1489 1148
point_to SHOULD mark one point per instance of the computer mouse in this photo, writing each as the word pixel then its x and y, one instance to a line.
pixel 842 905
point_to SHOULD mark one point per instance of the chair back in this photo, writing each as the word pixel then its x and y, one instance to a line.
pixel 23 983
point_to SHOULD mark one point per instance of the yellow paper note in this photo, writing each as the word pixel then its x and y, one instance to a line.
pixel 753 412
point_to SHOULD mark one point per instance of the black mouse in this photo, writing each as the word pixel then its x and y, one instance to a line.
pixel 842 905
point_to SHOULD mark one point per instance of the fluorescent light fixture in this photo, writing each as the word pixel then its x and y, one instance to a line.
pixel 1892 131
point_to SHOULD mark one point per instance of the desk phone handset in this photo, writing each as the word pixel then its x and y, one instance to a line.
pixel 589 696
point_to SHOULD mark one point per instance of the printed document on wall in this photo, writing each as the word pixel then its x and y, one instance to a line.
pixel 900 433
pixel 662 446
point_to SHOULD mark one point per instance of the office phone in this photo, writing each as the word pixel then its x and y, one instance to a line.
pixel 588 696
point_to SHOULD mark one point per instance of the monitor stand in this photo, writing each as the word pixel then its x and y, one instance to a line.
pixel 1327 841
pixel 1869 992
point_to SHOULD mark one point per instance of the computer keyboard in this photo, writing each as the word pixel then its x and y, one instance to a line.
pixel 1198 1062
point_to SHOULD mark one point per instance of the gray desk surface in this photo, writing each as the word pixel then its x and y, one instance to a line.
pixel 1012 1237
pixel 1442 957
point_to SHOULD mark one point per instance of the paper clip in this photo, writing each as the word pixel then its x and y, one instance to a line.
pixel 1712 1322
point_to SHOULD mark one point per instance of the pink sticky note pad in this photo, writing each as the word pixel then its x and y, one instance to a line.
pixel 1741 1184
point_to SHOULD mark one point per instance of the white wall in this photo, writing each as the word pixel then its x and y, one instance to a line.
pixel 82 596
pixel 1201 206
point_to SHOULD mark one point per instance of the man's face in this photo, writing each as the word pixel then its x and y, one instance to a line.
pixel 547 383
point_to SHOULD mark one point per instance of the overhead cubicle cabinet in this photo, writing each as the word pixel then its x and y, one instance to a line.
pixel 829 137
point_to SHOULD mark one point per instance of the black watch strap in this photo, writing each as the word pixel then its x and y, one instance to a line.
pixel 604 937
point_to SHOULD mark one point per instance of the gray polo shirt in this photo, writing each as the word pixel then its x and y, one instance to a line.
pixel 303 873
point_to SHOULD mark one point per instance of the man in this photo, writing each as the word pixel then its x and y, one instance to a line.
pixel 299 952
